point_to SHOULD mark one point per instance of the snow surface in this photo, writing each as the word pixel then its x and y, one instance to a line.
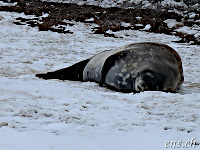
pixel 7 4
pixel 146 4
pixel 172 23
pixel 38 114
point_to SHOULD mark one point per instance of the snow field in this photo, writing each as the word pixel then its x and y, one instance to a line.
pixel 53 114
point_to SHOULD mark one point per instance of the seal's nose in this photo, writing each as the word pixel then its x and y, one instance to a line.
pixel 149 81
pixel 140 85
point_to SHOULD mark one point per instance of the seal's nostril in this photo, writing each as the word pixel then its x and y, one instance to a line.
pixel 139 88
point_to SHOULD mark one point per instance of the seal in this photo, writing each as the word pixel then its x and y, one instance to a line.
pixel 135 67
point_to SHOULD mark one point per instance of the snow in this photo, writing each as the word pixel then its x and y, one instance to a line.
pixel 147 27
pixel 124 24
pixel 7 4
pixel 192 15
pixel 172 23
pixel 146 5
pixel 138 18
pixel 173 3
pixel 52 114
pixel 118 3
pixel 137 2
pixel 188 30
pixel 91 19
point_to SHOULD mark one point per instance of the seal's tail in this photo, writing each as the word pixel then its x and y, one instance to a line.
pixel 74 72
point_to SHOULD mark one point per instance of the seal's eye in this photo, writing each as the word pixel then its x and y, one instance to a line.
pixel 149 75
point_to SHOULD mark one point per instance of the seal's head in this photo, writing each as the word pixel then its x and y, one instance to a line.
pixel 149 80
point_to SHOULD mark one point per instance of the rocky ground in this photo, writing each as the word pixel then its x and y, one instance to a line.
pixel 181 21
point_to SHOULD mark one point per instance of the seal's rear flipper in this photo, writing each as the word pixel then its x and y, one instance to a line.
pixel 74 72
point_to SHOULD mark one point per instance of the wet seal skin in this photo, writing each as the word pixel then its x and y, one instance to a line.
pixel 132 68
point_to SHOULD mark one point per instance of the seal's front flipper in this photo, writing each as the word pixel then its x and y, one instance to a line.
pixel 74 72
pixel 110 61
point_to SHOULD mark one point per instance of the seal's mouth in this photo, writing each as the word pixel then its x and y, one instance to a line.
pixel 149 81
pixel 141 86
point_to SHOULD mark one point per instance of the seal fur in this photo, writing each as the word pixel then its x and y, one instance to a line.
pixel 132 68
